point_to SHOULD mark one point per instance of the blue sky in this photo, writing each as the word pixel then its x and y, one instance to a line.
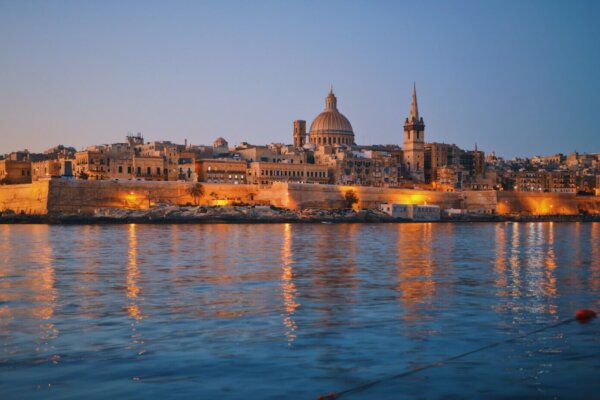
pixel 515 77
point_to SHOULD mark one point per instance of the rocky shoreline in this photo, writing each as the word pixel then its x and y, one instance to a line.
pixel 164 214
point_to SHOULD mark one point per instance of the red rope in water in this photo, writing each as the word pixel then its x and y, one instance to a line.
pixel 582 315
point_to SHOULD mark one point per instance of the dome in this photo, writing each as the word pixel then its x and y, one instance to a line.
pixel 220 142
pixel 331 126
pixel 331 122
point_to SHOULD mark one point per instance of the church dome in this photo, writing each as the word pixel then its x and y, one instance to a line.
pixel 331 122
pixel 331 126
pixel 220 142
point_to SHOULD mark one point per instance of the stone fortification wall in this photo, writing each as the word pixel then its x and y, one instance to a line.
pixel 86 196
pixel 480 202
pixel 588 204
pixel 530 203
pixel 75 196
pixel 30 198
pixel 332 196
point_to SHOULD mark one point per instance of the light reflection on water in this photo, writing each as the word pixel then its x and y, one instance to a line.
pixel 265 311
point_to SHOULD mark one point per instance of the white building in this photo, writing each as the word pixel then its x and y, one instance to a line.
pixel 415 212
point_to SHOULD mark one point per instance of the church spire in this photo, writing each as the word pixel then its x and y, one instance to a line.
pixel 414 108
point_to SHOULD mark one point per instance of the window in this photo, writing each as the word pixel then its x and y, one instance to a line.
pixel 128 170
pixel 157 170
pixel 139 170
pixel 148 171
pixel 120 169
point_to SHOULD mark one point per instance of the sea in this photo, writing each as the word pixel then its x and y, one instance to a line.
pixel 299 311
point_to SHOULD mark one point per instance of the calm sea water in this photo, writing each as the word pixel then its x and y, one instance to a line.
pixel 294 311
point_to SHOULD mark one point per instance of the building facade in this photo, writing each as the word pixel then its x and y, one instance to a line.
pixel 265 173
pixel 222 171
pixel 14 172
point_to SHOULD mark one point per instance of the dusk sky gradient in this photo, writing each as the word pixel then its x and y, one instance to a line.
pixel 520 78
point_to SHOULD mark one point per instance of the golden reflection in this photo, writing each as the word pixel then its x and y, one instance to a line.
pixel 501 261
pixel 513 260
pixel 529 273
pixel 415 268
pixel 46 295
pixel 29 288
pixel 133 274
pixel 288 288
pixel 550 264
pixel 595 246
pixel 89 286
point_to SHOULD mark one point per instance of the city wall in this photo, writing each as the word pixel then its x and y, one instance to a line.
pixel 86 196
pixel 78 196
pixel 532 203
pixel 588 204
pixel 333 196
pixel 29 198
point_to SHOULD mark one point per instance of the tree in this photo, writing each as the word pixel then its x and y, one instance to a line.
pixel 196 191
pixel 350 198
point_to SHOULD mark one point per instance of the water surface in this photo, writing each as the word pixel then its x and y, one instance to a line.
pixel 295 310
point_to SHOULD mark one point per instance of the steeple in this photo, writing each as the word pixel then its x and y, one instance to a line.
pixel 414 108
pixel 330 100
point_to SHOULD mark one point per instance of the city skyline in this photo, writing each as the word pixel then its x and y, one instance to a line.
pixel 83 74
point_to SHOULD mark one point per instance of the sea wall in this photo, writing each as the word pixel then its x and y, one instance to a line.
pixel 333 196
pixel 480 202
pixel 78 196
pixel 588 204
pixel 29 198
pixel 531 203
pixel 86 196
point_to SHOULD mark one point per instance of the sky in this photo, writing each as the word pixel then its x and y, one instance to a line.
pixel 520 78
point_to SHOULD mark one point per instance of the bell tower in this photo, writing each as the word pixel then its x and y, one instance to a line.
pixel 414 141
pixel 299 133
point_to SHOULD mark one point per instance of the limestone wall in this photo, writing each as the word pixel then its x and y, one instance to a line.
pixel 588 204
pixel 86 196
pixel 76 196
pixel 480 202
pixel 526 203
pixel 30 198
pixel 332 196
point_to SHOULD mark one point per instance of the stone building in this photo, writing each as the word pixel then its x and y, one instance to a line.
pixel 438 155
pixel 221 171
pixel 544 181
pixel 150 168
pixel 265 173
pixel 53 168
pixel 414 142
pixel 364 167
pixel 448 178
pixel 473 161
pixel 13 172
pixel 92 163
